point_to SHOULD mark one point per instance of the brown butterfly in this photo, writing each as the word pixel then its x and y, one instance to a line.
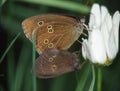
pixel 54 62
pixel 53 31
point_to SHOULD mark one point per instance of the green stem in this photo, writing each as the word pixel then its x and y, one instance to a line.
pixel 99 81
pixel 33 62
pixel 93 80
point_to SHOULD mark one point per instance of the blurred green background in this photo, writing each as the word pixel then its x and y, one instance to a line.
pixel 15 69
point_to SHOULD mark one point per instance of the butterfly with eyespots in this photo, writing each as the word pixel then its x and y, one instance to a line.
pixel 54 62
pixel 53 31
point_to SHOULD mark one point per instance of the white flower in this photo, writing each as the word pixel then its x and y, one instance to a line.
pixel 103 39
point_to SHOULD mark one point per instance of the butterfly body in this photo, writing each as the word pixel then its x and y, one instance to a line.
pixel 53 62
pixel 53 31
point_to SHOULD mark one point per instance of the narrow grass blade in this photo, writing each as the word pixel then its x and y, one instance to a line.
pixel 4 54
pixel 99 81
pixel 93 80
pixel 68 5
pixel 2 2
pixel 83 78
pixel 33 62
pixel 11 70
pixel 21 69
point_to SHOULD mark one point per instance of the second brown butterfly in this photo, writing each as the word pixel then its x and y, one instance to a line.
pixel 54 62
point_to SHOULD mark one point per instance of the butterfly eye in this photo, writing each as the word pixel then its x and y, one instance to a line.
pixel 46 41
pixel 50 30
pixel 50 45
pixel 40 23
pixel 49 26
pixel 54 67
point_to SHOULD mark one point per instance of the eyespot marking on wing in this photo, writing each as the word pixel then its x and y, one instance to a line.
pixel 40 23
pixel 53 67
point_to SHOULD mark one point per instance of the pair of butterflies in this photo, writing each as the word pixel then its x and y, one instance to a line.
pixel 54 35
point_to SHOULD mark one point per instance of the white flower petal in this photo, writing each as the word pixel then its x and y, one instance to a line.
pixel 84 49
pixel 105 17
pixel 104 13
pixel 116 20
pixel 103 39
pixel 95 12
pixel 97 47
pixel 112 50
pixel 113 37
pixel 108 21
pixel 92 22
pixel 106 30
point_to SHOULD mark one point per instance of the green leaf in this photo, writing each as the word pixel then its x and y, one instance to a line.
pixel 2 2
pixel 93 80
pixel 83 78
pixel 68 5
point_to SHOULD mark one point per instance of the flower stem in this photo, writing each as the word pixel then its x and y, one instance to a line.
pixel 99 81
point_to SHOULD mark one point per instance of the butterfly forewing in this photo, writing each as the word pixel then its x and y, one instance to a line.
pixel 32 23
pixel 61 38
pixel 60 30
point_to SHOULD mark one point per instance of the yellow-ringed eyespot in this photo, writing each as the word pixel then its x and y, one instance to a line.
pixel 50 45
pixel 40 23
pixel 50 30
pixel 53 67
pixel 49 26
pixel 50 59
pixel 46 41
